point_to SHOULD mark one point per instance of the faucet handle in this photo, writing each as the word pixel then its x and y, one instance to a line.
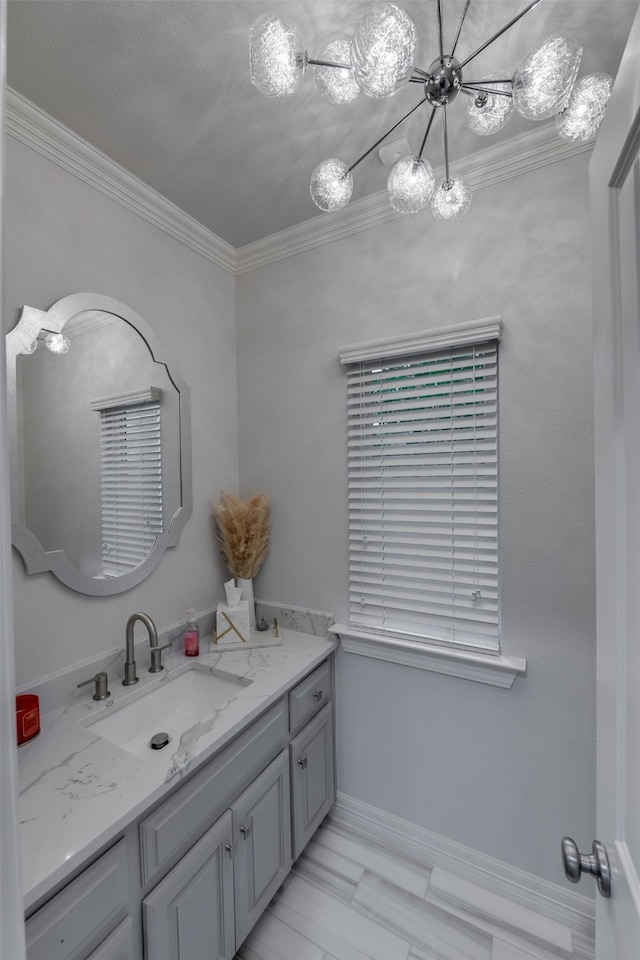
pixel 101 681
pixel 156 658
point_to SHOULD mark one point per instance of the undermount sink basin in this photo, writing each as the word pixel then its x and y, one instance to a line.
pixel 171 707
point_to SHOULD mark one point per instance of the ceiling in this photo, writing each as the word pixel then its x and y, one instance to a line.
pixel 162 87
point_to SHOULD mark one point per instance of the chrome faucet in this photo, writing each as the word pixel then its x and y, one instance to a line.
pixel 130 664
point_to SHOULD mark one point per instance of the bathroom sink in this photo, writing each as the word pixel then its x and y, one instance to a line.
pixel 171 707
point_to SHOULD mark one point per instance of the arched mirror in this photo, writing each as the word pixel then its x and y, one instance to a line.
pixel 100 441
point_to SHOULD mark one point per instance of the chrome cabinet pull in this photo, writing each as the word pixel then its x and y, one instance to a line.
pixel 245 831
pixel 303 762
pixel 317 695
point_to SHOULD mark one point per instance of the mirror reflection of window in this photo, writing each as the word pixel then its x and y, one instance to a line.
pixel 131 479
pixel 59 466
pixel 88 345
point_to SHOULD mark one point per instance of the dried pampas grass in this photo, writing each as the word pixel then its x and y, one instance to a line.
pixel 244 528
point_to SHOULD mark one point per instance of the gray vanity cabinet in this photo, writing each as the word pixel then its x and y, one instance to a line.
pixel 190 913
pixel 205 862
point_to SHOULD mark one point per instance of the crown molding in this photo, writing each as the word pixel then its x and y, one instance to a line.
pixel 36 129
pixel 33 127
pixel 512 158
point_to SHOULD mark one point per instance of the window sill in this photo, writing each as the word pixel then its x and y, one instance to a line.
pixel 494 669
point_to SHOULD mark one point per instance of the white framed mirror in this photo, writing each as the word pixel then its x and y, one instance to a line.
pixel 100 444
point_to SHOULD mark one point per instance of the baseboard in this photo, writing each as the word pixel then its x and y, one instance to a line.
pixel 426 848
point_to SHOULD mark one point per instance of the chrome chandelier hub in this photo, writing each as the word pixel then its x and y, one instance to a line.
pixel 443 81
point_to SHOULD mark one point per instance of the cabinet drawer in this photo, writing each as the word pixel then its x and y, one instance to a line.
pixel 83 912
pixel 179 822
pixel 309 696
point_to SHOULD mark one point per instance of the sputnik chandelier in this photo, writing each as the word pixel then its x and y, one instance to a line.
pixel 378 60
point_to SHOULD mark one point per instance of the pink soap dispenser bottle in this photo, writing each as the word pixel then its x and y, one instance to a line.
pixel 191 635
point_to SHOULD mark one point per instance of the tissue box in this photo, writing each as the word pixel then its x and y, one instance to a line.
pixel 232 623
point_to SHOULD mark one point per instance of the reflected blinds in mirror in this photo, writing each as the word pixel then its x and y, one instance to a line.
pixel 131 478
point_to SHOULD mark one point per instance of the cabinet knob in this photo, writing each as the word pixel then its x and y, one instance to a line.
pixel 245 831
pixel 303 762
pixel 317 694
pixel 229 848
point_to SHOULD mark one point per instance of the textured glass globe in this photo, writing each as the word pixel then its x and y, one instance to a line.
pixel 451 200
pixel 334 85
pixel 57 342
pixel 331 185
pixel 30 348
pixel 410 185
pixel 486 115
pixel 586 108
pixel 383 48
pixel 543 82
pixel 277 57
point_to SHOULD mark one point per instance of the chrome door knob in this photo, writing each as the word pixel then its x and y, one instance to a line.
pixel 597 864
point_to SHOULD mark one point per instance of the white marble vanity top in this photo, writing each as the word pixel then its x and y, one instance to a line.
pixel 78 791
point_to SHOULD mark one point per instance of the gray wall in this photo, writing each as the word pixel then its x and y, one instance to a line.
pixel 506 772
pixel 64 237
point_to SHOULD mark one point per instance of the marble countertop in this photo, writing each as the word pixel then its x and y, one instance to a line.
pixel 77 791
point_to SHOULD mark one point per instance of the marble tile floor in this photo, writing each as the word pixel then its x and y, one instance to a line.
pixel 347 899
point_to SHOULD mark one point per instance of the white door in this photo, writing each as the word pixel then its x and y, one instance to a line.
pixel 615 206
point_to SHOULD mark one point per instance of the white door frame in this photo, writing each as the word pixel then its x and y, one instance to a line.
pixel 616 328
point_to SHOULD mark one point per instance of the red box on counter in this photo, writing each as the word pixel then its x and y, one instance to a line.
pixel 27 716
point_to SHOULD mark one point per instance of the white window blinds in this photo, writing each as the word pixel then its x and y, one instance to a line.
pixel 131 472
pixel 423 494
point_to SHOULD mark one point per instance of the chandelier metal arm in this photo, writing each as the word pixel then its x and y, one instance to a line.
pixel 473 88
pixel 426 134
pixel 328 63
pixel 462 19
pixel 446 146
pixel 504 29
pixel 385 135
pixel 440 29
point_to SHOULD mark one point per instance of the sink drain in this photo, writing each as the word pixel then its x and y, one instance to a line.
pixel 159 740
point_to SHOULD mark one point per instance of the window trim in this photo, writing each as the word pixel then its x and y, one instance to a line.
pixel 496 669
pixel 484 666
pixel 457 334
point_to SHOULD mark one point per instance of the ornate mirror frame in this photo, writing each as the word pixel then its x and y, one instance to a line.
pixel 35 557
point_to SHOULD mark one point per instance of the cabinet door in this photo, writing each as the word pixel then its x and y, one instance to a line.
pixel 312 777
pixel 119 945
pixel 82 914
pixel 189 915
pixel 262 835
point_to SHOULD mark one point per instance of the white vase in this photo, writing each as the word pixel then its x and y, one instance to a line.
pixel 247 594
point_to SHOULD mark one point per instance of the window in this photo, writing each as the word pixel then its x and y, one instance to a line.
pixel 423 487
pixel 131 475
